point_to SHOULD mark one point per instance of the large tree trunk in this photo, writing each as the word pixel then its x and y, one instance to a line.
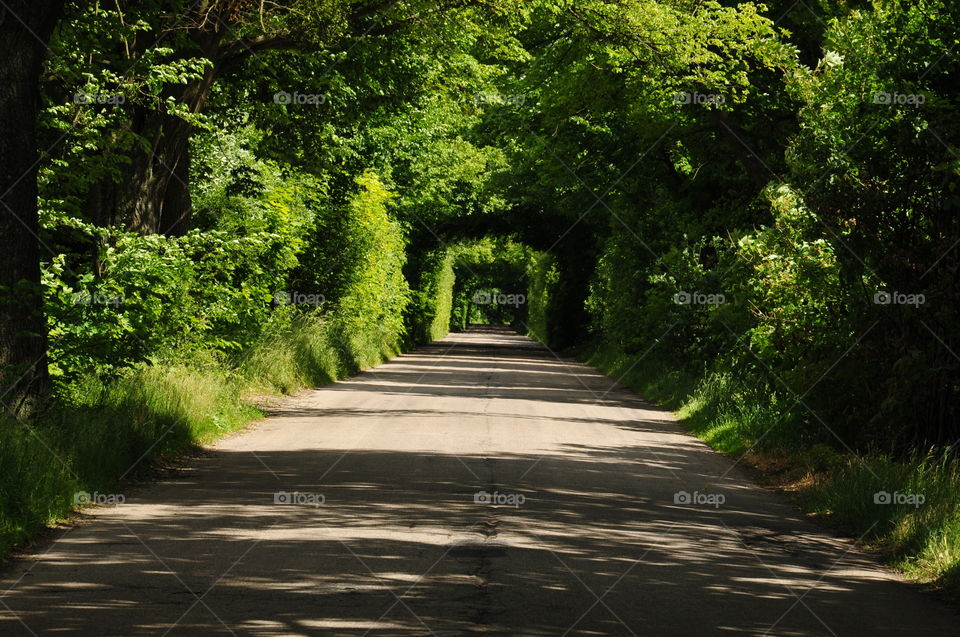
pixel 25 28
pixel 568 319
pixel 155 196
pixel 143 193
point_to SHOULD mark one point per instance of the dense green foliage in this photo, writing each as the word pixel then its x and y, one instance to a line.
pixel 751 209
pixel 491 284
pixel 751 215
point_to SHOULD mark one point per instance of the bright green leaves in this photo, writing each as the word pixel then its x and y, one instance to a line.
pixel 374 292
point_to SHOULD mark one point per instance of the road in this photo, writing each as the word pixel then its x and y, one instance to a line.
pixel 359 508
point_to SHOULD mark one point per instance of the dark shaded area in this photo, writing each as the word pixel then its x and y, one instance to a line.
pixel 401 546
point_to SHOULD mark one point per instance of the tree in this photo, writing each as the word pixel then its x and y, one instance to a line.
pixel 209 40
pixel 25 28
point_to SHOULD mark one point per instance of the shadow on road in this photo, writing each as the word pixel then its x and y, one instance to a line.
pixel 360 508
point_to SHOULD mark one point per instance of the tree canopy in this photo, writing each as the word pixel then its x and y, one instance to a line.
pixel 763 193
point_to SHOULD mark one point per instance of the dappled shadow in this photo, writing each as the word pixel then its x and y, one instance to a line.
pixel 400 545
pixel 530 372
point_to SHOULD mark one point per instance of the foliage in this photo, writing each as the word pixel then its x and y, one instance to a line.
pixel 428 314
pixel 491 283
pixel 751 209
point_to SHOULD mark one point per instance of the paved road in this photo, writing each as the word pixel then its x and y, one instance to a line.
pixel 382 530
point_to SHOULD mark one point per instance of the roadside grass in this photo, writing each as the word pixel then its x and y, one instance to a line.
pixel 311 353
pixel 98 435
pixel 910 511
pixel 922 541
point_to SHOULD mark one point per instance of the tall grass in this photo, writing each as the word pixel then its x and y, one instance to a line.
pixel 920 534
pixel 106 433
pixel 922 541
pixel 102 433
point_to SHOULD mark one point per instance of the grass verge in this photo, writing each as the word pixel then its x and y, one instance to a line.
pixel 907 510
pixel 99 434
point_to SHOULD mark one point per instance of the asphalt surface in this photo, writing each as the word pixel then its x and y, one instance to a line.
pixel 359 508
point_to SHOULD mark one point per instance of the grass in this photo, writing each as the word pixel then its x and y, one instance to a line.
pixel 104 433
pixel 311 353
pixel 921 539
pixel 922 542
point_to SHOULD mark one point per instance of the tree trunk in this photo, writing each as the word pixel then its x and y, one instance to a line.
pixel 25 28
pixel 736 139
pixel 155 196
pixel 569 320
